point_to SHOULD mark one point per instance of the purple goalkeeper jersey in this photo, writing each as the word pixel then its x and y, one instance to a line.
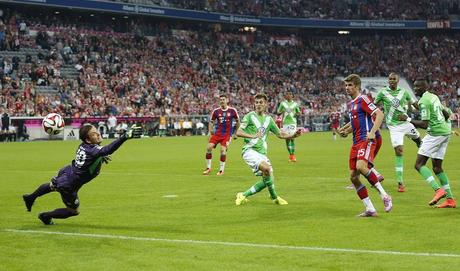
pixel 86 165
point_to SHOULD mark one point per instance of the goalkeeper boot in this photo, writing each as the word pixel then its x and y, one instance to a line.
pixel 292 158
pixel 207 171
pixel 401 188
pixel 440 193
pixel 280 201
pixel 29 201
pixel 240 199
pixel 449 203
pixel 45 219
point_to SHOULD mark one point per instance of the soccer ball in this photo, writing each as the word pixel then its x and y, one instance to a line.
pixel 53 124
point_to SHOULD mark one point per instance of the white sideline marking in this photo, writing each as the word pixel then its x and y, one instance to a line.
pixel 235 244
pixel 170 196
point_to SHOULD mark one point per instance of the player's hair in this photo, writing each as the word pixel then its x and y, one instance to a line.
pixel 353 78
pixel 394 74
pixel 422 78
pixel 84 130
pixel 223 95
pixel 261 96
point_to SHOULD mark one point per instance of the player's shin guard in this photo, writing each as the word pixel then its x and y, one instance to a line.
pixel 208 159
pixel 60 213
pixel 41 190
pixel 223 157
pixel 399 168
pixel 268 180
pixel 426 173
pixel 445 184
pixel 259 186
pixel 373 176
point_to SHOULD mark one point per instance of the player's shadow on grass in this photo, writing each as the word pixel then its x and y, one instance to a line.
pixel 67 226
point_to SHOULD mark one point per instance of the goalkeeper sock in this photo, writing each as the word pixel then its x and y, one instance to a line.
pixel 268 180
pixel 292 147
pixel 223 157
pixel 60 213
pixel 426 173
pixel 208 159
pixel 445 184
pixel 41 190
pixel 399 167
pixel 259 186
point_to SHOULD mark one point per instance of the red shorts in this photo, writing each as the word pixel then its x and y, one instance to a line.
pixel 222 140
pixel 364 150
pixel 335 126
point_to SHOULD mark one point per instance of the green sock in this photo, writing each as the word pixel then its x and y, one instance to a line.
pixel 426 173
pixel 268 180
pixel 399 167
pixel 259 186
pixel 445 184
pixel 290 146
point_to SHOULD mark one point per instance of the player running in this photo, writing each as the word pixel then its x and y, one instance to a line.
pixel 334 117
pixel 361 110
pixel 85 167
pixel 254 129
pixel 434 118
pixel 224 121
pixel 397 101
pixel 289 110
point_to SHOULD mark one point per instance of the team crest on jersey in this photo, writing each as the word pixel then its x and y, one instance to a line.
pixel 261 129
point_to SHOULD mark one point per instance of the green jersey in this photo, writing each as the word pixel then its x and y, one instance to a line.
pixel 395 102
pixel 289 111
pixel 431 110
pixel 251 124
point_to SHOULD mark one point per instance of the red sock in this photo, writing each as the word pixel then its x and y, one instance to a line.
pixel 373 176
pixel 209 155
pixel 362 192
pixel 223 158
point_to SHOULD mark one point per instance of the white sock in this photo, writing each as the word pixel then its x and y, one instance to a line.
pixel 379 188
pixel 335 137
pixel 208 163
pixel 222 166
pixel 368 204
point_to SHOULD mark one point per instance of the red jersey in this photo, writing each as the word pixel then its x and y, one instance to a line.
pixel 335 117
pixel 224 120
pixel 360 110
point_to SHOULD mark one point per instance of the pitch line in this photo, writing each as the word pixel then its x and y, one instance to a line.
pixel 236 244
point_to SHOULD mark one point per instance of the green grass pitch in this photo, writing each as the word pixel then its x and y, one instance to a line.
pixel 127 223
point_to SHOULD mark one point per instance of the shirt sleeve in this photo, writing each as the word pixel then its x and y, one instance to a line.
pixel 98 151
pixel 273 127
pixel 368 106
pixel 280 108
pixel 244 122
pixel 214 114
pixel 378 98
pixel 237 117
pixel 424 112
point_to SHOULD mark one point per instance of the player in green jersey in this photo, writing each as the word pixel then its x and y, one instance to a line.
pixel 254 129
pixel 289 110
pixel 434 118
pixel 397 101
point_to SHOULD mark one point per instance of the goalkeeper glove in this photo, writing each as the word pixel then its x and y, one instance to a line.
pixel 133 132
pixel 106 159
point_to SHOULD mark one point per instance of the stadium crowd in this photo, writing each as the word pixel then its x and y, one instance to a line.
pixel 182 72
pixel 326 9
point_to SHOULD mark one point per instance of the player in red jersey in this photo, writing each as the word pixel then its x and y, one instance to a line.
pixel 223 123
pixel 334 117
pixel 361 109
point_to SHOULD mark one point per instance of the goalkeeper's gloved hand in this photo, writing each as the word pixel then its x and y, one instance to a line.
pixel 133 132
pixel 106 159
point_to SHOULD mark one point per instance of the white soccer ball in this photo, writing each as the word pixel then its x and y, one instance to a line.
pixel 289 130
pixel 53 124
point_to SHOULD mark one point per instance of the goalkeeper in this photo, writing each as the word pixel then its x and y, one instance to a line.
pixel 85 167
